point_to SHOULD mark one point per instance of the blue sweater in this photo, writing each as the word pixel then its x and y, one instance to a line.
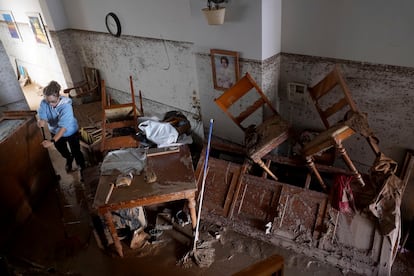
pixel 59 116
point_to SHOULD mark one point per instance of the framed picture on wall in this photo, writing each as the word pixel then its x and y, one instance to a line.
pixel 225 65
pixel 7 17
pixel 38 28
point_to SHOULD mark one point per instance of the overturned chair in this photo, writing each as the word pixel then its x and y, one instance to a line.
pixel 260 139
pixel 118 118
pixel 341 118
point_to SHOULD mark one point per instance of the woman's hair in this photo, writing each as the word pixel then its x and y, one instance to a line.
pixel 53 88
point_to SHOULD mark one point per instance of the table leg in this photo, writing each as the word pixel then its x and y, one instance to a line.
pixel 192 206
pixel 114 234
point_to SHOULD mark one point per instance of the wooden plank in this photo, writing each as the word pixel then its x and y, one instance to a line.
pixel 161 151
pixel 257 201
pixel 273 265
pixel 220 186
pixel 244 169
pixel 19 113
pixel 234 176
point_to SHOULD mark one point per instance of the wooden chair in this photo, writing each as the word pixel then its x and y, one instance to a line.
pixel 333 101
pixel 89 89
pixel 117 117
pixel 260 139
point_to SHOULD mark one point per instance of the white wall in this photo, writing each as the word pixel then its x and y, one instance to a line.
pixel 271 27
pixel 54 14
pixel 179 20
pixel 378 31
pixel 155 18
pixel 240 32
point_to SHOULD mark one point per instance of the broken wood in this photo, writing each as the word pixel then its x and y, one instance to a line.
pixel 273 265
pixel 336 224
pixel 162 151
pixel 284 211
pixel 108 196
pixel 140 103
pixel 19 113
pixel 238 187
pixel 242 198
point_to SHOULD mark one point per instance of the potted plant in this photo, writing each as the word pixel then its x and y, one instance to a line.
pixel 214 12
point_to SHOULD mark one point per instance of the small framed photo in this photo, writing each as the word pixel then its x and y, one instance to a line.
pixel 7 17
pixel 225 65
pixel 38 28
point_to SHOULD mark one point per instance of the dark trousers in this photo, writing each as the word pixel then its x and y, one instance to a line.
pixel 62 146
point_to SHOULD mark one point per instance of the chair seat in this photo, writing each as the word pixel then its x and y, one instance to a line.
pixel 267 136
pixel 326 139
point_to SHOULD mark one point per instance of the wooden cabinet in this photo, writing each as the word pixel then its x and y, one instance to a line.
pixel 25 167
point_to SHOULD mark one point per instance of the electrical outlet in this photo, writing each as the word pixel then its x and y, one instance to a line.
pixel 297 92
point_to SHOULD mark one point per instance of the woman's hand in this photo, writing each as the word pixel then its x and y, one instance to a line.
pixel 41 123
pixel 47 143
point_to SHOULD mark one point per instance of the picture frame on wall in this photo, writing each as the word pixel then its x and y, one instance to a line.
pixel 38 28
pixel 225 65
pixel 8 17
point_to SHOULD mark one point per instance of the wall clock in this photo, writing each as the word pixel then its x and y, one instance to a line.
pixel 113 25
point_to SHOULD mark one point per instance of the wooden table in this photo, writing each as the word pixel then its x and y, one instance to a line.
pixel 175 181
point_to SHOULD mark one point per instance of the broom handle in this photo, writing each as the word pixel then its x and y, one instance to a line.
pixel 203 183
pixel 43 133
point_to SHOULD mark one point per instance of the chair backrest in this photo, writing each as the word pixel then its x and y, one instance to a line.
pixel 119 112
pixel 236 93
pixel 93 79
pixel 332 103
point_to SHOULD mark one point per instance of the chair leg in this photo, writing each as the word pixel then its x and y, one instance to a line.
pixel 266 168
pixel 349 163
pixel 312 167
pixel 268 162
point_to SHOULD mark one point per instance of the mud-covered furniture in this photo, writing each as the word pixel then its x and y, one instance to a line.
pixel 89 90
pixel 174 180
pixel 25 168
pixel 259 139
pixel 292 216
pixel 333 101
pixel 120 121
